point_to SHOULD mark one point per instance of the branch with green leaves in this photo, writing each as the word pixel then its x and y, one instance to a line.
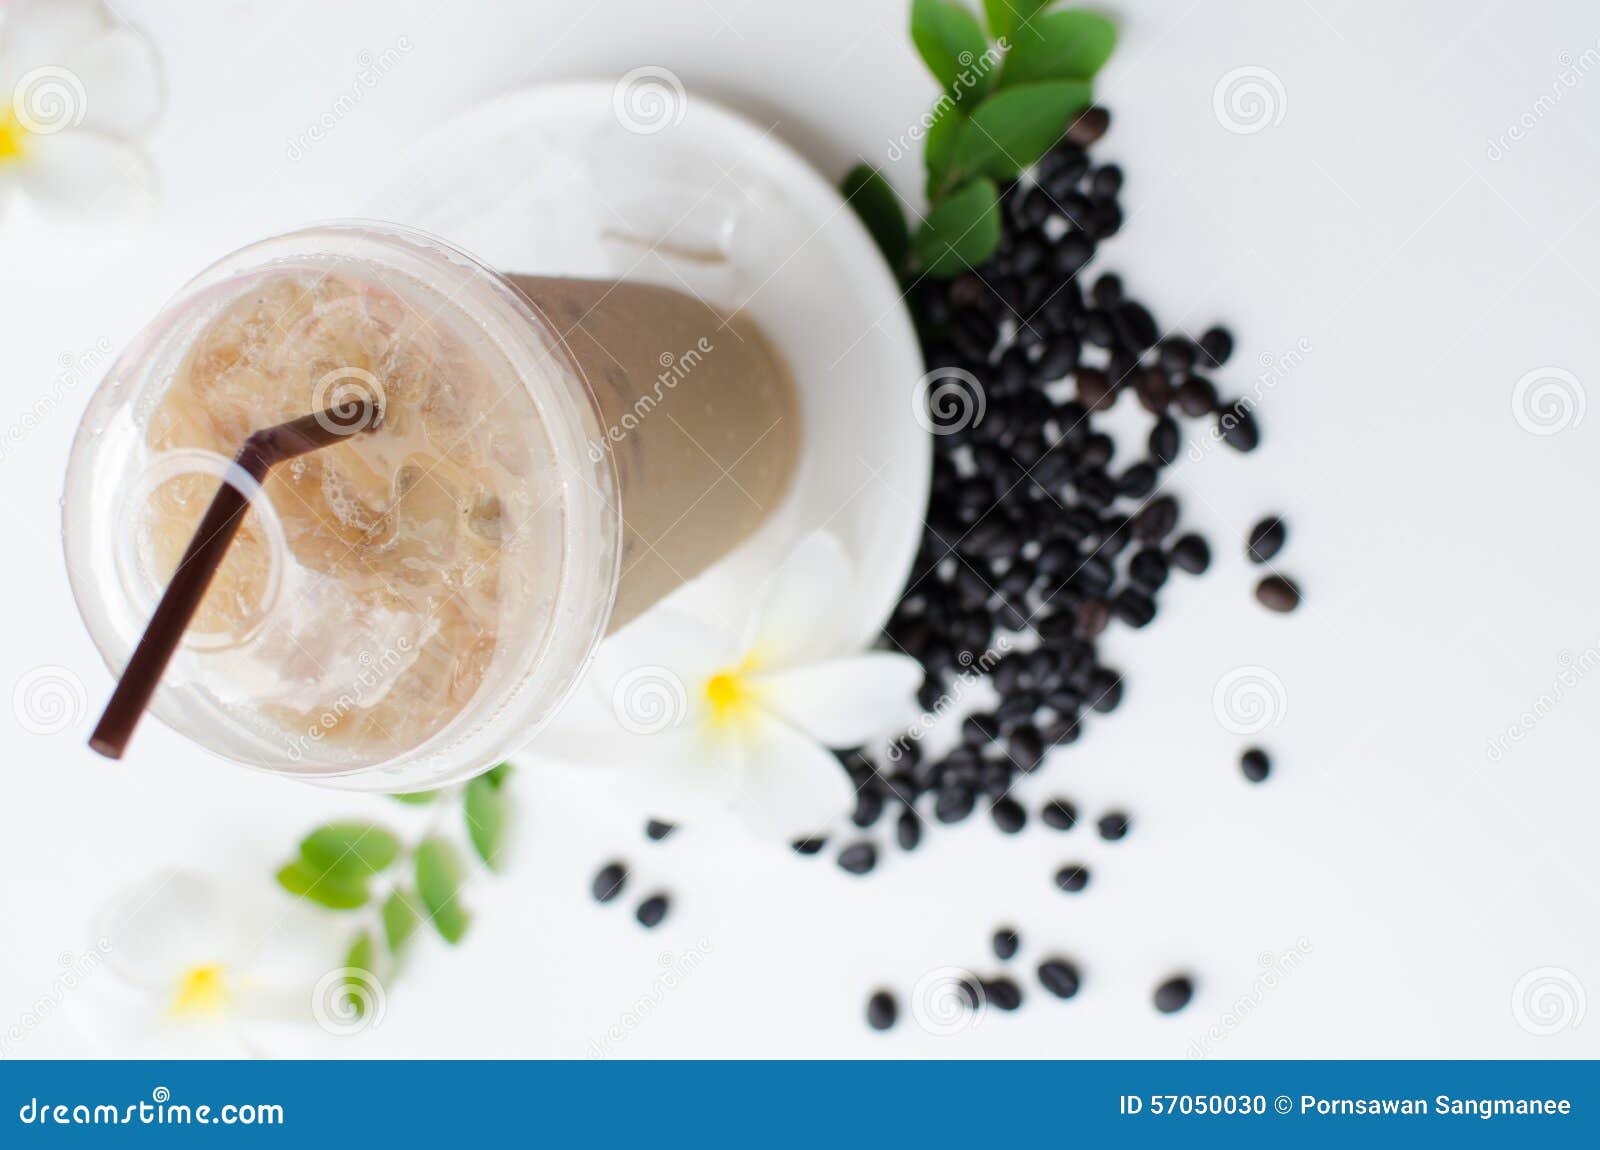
pixel 366 869
pixel 1005 98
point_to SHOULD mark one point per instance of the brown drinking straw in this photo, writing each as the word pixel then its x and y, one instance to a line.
pixel 261 452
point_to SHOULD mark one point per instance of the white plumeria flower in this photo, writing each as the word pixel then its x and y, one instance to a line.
pixel 78 88
pixel 201 970
pixel 710 716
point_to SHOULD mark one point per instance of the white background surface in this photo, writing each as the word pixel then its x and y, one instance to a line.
pixel 1446 553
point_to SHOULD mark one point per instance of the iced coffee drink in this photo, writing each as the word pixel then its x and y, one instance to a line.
pixel 545 461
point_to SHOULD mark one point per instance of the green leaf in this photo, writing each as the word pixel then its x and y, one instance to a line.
pixel 951 43
pixel 939 148
pixel 361 961
pixel 438 881
pixel 498 773
pixel 879 208
pixel 400 919
pixel 961 232
pixel 334 891
pixel 1059 46
pixel 1004 17
pixel 486 818
pixel 416 798
pixel 349 849
pixel 1014 127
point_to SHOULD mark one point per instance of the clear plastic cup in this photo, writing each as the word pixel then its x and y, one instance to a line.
pixel 599 501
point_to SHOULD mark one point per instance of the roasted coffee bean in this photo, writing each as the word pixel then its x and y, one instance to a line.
pixel 1026 746
pixel 1072 878
pixel 1107 181
pixel 1059 814
pixel 869 808
pixel 1197 397
pixel 1062 731
pixel 1090 125
pixel 808 846
pixel 1135 327
pixel 1104 690
pixel 1266 539
pixel 1093 615
pixel 1156 519
pixel 1134 608
pixel 1164 440
pixel 1137 481
pixel 953 803
pixel 1191 554
pixel 1060 356
pixel 1002 993
pixel 1108 290
pixel 1113 826
pixel 881 1010
pixel 1174 994
pixel 1059 977
pixel 1217 343
pixel 656 829
pixel 1005 943
pixel 1008 815
pixel 609 881
pixel 1147 570
pixel 1153 390
pixel 1237 426
pixel 908 830
pixel 1278 594
pixel 1094 389
pixel 1255 765
pixel 1177 354
pixel 859 858
pixel 652 910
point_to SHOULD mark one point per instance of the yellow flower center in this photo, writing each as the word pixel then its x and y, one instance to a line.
pixel 13 136
pixel 731 695
pixel 203 989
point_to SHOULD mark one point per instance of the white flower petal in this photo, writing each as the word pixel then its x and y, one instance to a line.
pixel 43 32
pixel 172 921
pixel 689 649
pixel 122 82
pixel 845 702
pixel 790 785
pixel 85 174
pixel 798 616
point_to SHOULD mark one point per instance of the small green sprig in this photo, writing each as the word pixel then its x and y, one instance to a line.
pixel 1005 99
pixel 336 865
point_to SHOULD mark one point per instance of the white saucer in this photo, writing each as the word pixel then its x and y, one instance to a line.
pixel 636 180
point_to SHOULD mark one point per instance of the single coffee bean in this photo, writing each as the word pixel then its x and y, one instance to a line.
pixel 1090 125
pixel 908 830
pixel 1196 397
pixel 1147 570
pixel 1002 993
pixel 1217 343
pixel 1156 519
pixel 1174 994
pixel 1255 764
pixel 1133 607
pixel 1237 426
pixel 1005 942
pixel 859 858
pixel 1072 878
pixel 658 829
pixel 609 881
pixel 652 910
pixel 1008 815
pixel 1191 553
pixel 1278 594
pixel 1103 690
pixel 1164 440
pixel 881 1010
pixel 1059 977
pixel 1059 814
pixel 1113 826
pixel 1266 539
pixel 953 803
pixel 807 846
pixel 1107 290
